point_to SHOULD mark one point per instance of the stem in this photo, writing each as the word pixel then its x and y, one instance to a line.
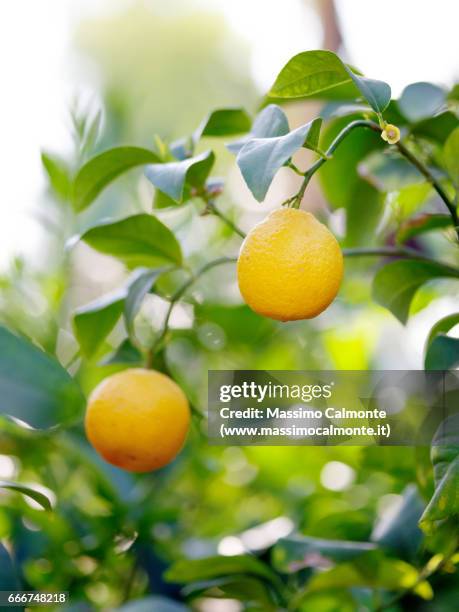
pixel 431 179
pixel 295 169
pixel 73 359
pixel 130 582
pixel 384 251
pixel 406 252
pixel 403 150
pixel 211 206
pixel 425 573
pixel 176 297
pixel 329 152
pixel 149 360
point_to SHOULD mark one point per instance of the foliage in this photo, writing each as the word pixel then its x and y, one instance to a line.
pixel 159 539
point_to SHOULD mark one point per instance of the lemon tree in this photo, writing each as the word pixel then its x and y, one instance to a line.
pixel 389 168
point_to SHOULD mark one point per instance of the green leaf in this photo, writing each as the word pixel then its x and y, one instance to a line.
pixel 260 158
pixel 451 156
pixel 399 532
pixel 445 447
pixel 311 72
pixel 406 200
pixel 378 573
pixel 339 176
pixel 91 133
pixel 454 93
pixel 442 327
pixel 442 354
pixel 180 149
pixel 343 187
pixel 363 213
pixel 445 459
pixel 193 570
pixel 94 321
pixel 313 135
pixel 436 128
pixel 421 225
pixel 270 122
pixel 140 284
pixel 242 588
pixel 224 122
pixel 34 387
pixel 389 172
pixel 101 170
pixel 421 100
pixel 177 179
pixel 396 283
pixel 345 92
pixel 295 553
pixel 335 600
pixel 154 602
pixel 8 575
pixel 333 110
pixel 376 93
pixel 126 353
pixel 161 200
pixel 58 175
pixel 140 240
pixel 40 498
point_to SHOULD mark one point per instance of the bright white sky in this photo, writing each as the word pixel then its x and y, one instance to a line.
pixel 399 41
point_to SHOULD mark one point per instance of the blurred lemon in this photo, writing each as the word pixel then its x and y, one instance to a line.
pixel 137 419
pixel 290 266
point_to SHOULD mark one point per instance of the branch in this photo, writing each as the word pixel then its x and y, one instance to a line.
pixel 210 206
pixel 130 581
pixel 405 252
pixel 432 180
pixel 427 571
pixel 329 152
pixel 403 150
pixel 384 251
pixel 308 174
pixel 176 297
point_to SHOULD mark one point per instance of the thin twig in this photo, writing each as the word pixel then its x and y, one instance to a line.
pixel 295 169
pixel 403 150
pixel 216 211
pixel 329 152
pixel 176 297
pixel 432 180
pixel 130 581
pixel 73 359
pixel 389 251
pixel 424 573
pixel 384 251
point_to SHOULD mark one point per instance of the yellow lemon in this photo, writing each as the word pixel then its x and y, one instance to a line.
pixel 137 419
pixel 290 266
